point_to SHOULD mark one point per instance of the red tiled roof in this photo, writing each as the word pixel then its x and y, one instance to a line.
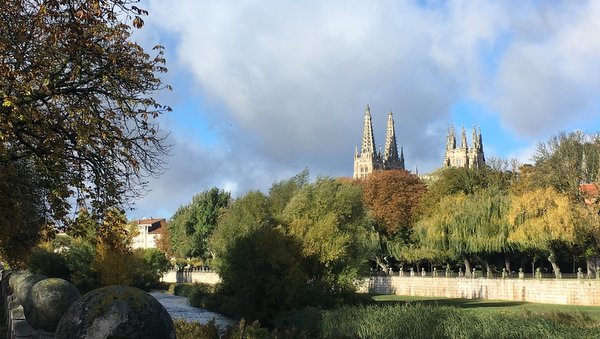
pixel 156 225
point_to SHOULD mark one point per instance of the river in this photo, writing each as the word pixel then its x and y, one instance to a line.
pixel 178 308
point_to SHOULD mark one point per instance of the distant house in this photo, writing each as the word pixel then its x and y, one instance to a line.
pixel 149 231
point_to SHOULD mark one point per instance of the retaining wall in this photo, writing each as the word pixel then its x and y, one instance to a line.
pixel 550 291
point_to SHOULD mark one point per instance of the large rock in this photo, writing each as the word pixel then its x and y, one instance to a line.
pixel 47 302
pixel 116 312
pixel 24 284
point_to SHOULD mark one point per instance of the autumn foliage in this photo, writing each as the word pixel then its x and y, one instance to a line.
pixel 392 198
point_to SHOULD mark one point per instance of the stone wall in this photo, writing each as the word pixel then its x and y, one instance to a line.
pixel 185 276
pixel 550 291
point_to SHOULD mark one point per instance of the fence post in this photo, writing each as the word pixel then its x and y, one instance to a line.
pixel 503 273
pixel 579 273
pixel 521 273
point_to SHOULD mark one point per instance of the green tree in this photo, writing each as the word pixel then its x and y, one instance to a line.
pixel 77 102
pixel 192 225
pixel 265 272
pixel 328 218
pixel 245 215
pixel 283 191
pixel 468 226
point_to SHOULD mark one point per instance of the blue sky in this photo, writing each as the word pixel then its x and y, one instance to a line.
pixel 263 89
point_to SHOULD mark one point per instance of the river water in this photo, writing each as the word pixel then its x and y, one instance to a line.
pixel 178 308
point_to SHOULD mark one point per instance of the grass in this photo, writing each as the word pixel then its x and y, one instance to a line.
pixel 482 305
pixel 419 320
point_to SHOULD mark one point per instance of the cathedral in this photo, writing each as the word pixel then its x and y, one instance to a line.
pixel 369 159
pixel 464 156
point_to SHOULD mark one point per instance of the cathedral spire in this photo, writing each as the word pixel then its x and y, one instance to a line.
pixel 368 141
pixel 402 158
pixel 463 141
pixel 451 139
pixel 391 148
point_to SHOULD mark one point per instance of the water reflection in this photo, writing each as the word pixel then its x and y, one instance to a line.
pixel 178 308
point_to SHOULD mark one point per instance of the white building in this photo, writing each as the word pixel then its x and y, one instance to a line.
pixel 149 231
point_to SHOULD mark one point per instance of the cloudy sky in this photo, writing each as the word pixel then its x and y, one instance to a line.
pixel 263 89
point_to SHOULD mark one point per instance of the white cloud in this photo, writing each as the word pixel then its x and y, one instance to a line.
pixel 293 77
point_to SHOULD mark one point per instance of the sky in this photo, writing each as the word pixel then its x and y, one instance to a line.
pixel 264 89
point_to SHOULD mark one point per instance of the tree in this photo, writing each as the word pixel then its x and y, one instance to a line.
pixel 467 226
pixel 567 160
pixel 76 101
pixel 265 272
pixel 245 215
pixel 543 219
pixel 192 225
pixel 327 217
pixel 283 191
pixel 392 199
pixel 21 211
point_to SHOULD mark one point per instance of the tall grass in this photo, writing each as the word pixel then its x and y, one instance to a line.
pixel 424 321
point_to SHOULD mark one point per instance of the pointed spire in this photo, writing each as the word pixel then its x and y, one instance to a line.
pixel 463 141
pixel 451 138
pixel 417 170
pixel 475 138
pixel 368 141
pixel 402 158
pixel 480 143
pixel 391 148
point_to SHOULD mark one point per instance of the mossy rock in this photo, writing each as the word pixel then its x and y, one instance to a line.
pixel 47 302
pixel 116 312
pixel 24 284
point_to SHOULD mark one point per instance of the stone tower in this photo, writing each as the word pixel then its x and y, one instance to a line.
pixel 464 156
pixel 369 159
pixel 391 160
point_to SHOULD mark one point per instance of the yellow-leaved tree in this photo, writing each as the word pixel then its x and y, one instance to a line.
pixel 543 219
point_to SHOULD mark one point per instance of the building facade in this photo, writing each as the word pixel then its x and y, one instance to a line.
pixel 464 156
pixel 149 231
pixel 369 159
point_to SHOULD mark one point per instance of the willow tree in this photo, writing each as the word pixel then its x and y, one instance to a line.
pixel 77 101
pixel 467 226
pixel 327 217
pixel 543 219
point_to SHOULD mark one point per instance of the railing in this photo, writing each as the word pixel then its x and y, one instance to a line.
pixel 191 269
pixel 504 274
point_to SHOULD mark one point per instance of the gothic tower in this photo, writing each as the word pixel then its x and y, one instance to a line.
pixel 391 160
pixel 368 159
pixel 464 156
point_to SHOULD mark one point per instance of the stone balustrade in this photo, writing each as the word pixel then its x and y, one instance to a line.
pixel 38 307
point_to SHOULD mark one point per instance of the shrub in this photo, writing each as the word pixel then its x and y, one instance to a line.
pixel 50 264
pixel 194 330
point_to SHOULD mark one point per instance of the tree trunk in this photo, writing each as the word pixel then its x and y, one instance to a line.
pixel 485 263
pixel 467 267
pixel 507 264
pixel 591 269
pixel 384 266
pixel 552 260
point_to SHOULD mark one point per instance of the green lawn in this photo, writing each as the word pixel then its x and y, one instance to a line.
pixel 482 305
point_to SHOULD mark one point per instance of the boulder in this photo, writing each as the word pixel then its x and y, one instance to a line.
pixel 24 284
pixel 116 312
pixel 47 302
